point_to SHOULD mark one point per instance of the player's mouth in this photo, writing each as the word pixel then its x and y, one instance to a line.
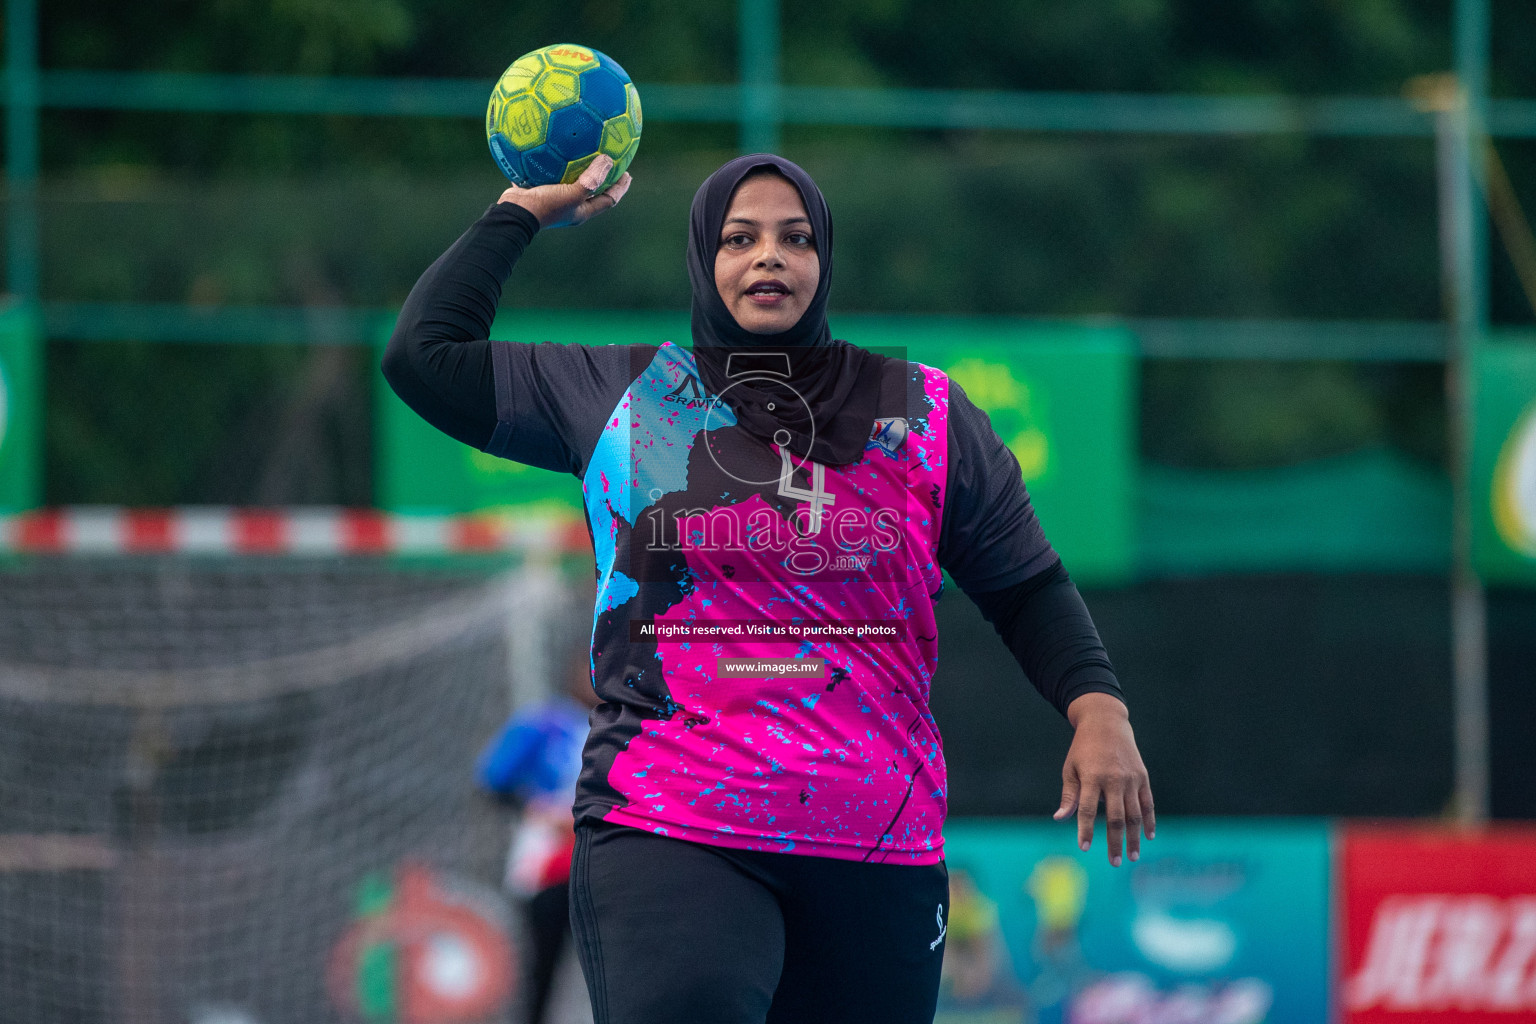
pixel 768 293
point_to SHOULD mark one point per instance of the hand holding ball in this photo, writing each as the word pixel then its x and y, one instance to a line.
pixel 558 206
pixel 555 110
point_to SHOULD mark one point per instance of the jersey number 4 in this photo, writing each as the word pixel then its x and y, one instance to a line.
pixel 818 496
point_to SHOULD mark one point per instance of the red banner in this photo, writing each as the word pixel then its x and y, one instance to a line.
pixel 1437 926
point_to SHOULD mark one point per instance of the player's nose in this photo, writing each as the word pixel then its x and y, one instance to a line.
pixel 769 256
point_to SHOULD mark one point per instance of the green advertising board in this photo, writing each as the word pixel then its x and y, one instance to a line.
pixel 1060 396
pixel 1504 461
pixel 20 408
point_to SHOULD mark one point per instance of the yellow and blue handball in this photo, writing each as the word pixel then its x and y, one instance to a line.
pixel 555 109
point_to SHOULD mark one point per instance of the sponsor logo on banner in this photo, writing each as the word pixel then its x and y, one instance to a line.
pixel 1217 923
pixel 1438 926
pixel 425 948
pixel 1514 486
pixel 1134 999
pixel 1436 953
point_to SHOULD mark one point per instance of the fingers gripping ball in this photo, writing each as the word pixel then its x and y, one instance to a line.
pixel 555 109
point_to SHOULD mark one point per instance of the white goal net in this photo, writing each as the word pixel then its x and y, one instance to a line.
pixel 241 791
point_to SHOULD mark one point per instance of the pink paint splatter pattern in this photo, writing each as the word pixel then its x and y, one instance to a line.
pixel 847 766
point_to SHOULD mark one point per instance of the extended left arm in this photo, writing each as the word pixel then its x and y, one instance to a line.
pixel 1046 626
pixel 992 544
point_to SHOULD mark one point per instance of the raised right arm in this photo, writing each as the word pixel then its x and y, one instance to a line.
pixel 543 404
pixel 438 359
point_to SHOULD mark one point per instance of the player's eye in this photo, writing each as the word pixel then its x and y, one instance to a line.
pixel 737 240
pixel 799 238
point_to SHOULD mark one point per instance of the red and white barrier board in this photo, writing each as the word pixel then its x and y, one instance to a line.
pixel 1437 926
pixel 289 531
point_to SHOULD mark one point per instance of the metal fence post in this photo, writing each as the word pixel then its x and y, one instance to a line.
pixel 21 148
pixel 759 43
pixel 1464 242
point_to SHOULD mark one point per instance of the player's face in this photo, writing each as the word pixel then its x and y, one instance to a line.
pixel 766 267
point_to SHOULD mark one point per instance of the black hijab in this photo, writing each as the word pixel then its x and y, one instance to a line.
pixel 820 390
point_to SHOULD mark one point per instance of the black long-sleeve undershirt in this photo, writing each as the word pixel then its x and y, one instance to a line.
pixel 1046 627
pixel 439 362
pixel 438 359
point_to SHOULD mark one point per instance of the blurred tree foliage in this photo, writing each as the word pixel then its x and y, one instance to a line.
pixel 241 209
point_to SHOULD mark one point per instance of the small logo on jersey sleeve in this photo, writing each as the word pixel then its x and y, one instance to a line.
pixel 888 435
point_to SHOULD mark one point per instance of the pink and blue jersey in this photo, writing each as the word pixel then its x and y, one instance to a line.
pixel 713 545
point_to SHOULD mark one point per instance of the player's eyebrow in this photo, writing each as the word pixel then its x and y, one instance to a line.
pixel 752 223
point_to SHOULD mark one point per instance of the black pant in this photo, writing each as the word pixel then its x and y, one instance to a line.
pixel 674 932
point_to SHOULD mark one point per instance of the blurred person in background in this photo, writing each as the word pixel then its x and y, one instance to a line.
pixel 532 764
